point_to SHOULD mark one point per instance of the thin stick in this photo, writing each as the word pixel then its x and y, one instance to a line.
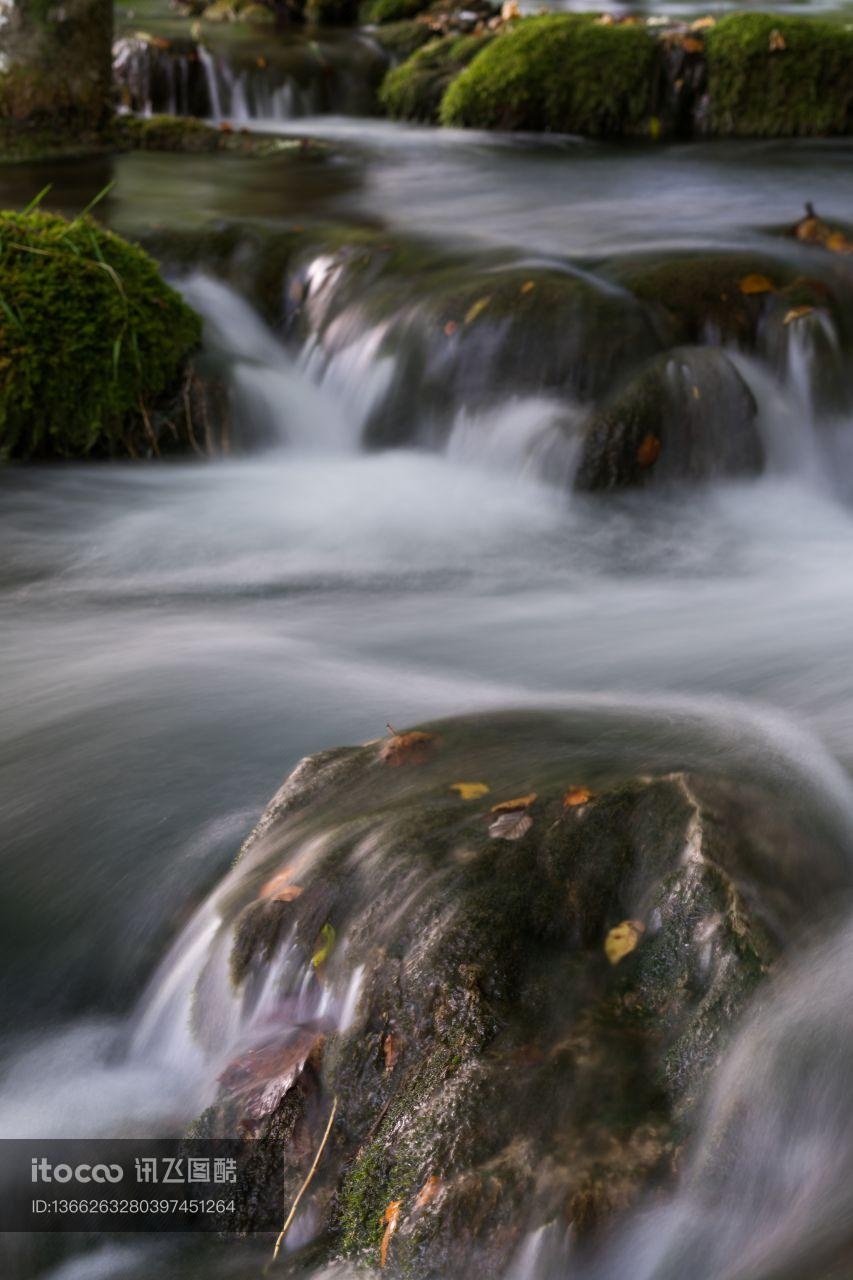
pixel 306 1183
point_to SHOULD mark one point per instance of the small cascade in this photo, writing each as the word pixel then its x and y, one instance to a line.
pixel 275 401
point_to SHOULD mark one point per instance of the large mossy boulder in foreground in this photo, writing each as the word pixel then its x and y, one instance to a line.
pixel 687 416
pixel 91 341
pixel 512 960
pixel 771 76
pixel 559 72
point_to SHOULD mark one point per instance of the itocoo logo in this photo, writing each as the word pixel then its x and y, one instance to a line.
pixel 43 1171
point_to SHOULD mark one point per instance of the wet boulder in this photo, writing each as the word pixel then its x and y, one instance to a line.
pixel 509 963
pixel 687 416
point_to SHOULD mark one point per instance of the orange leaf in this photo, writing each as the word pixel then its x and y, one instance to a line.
pixel 428 1192
pixel 279 887
pixel 390 1218
pixel 690 44
pixel 839 243
pixel 649 451
pixel 508 806
pixel 796 313
pixel 576 796
pixel 528 286
pixel 755 284
pixel 407 748
pixel 777 41
pixel 450 328
pixel 389 1050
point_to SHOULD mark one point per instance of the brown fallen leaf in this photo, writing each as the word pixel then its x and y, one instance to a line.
pixel 576 796
pixel 797 313
pixel 755 283
pixel 509 806
pixel 262 62
pixel 390 1218
pixel 476 309
pixel 432 1188
pixel 225 127
pixel 510 826
pixel 407 748
pixel 470 790
pixel 450 328
pixel 390 1050
pixel 777 42
pixel 528 286
pixel 648 451
pixel 622 939
pixel 691 44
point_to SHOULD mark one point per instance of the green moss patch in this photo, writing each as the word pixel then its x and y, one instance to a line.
pixel 771 76
pixel 413 91
pixel 560 73
pixel 379 11
pixel 90 338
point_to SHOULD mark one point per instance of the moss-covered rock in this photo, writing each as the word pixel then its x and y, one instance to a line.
pixel 413 90
pixel 687 416
pixel 562 73
pixel 399 40
pixel 379 11
pixel 495 1070
pixel 772 76
pixel 91 341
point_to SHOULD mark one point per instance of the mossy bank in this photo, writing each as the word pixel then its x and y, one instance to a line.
pixel 748 75
pixel 93 343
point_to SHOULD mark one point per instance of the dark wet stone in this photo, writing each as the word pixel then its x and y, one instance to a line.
pixel 687 416
pixel 499 1071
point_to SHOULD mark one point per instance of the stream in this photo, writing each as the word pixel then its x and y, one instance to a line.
pixel 177 636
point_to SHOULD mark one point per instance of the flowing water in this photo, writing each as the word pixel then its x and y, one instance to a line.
pixel 177 636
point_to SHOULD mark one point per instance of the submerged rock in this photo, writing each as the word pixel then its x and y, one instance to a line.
pixel 540 963
pixel 94 345
pixel 688 415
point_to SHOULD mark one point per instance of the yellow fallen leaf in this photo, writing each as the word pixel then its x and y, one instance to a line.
pixel 470 790
pixel 407 748
pixel 839 243
pixel 476 309
pixel 755 284
pixel 326 946
pixel 508 806
pixel 796 313
pixel 576 796
pixel 777 41
pixel 654 128
pixel 622 939
pixel 390 1218
pixel 702 24
pixel 528 286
